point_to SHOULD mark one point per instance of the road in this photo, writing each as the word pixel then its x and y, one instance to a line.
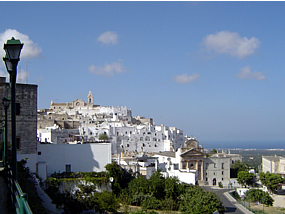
pixel 230 206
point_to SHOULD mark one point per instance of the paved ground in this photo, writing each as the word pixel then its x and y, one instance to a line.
pixel 231 205
pixel 279 200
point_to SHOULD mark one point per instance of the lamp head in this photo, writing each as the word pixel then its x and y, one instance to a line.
pixel 13 49
pixel 6 102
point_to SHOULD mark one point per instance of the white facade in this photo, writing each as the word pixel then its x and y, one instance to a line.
pixel 217 168
pixel 56 135
pixel 140 138
pixel 169 163
pixel 72 157
pixel 273 164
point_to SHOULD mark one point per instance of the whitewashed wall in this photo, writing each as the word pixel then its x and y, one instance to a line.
pixel 81 157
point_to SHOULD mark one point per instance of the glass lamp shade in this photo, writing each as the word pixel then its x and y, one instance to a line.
pixel 13 49
pixel 8 64
pixel 6 102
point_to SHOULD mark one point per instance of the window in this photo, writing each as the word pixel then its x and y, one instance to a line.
pixel 223 165
pixel 222 172
pixel 18 109
pixel 39 153
pixel 67 168
pixel 215 165
pixel 206 179
pixel 128 145
pixel 18 143
pixel 141 138
pixel 222 179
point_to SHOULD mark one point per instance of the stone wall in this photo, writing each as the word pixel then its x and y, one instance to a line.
pixel 26 121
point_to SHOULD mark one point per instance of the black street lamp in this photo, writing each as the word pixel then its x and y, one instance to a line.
pixel 13 49
pixel 6 102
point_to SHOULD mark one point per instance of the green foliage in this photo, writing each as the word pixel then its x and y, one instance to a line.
pixel 107 201
pixel 121 177
pixel 245 178
pixel 169 194
pixel 155 193
pixel 235 195
pixel 103 136
pixel 144 212
pixel 197 201
pixel 237 167
pixel 271 180
pixel 258 195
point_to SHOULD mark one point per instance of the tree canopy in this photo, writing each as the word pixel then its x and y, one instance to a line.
pixel 238 166
pixel 103 136
pixel 245 178
pixel 271 180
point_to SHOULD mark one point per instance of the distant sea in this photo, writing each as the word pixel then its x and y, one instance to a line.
pixel 243 144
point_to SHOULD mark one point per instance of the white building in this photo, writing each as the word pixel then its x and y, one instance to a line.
pixel 170 164
pixel 56 135
pixel 217 168
pixel 130 137
pixel 51 158
pixel 273 164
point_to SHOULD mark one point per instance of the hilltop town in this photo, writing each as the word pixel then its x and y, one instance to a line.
pixel 80 137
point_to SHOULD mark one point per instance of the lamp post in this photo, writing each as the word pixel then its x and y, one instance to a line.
pixel 13 49
pixel 263 201
pixel 6 102
pixel 249 201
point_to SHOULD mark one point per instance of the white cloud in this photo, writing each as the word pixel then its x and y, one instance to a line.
pixel 184 78
pixel 246 73
pixel 22 76
pixel 30 49
pixel 108 37
pixel 231 43
pixel 107 69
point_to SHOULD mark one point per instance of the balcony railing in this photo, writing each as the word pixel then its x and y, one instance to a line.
pixel 18 198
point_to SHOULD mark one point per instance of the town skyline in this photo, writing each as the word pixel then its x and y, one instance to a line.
pixel 211 69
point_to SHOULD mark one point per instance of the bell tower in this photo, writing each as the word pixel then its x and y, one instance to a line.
pixel 90 99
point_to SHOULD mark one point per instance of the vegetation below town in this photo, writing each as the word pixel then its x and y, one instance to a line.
pixel 27 184
pixel 255 195
pixel 157 193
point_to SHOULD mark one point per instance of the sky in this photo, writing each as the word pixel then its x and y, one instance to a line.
pixel 213 69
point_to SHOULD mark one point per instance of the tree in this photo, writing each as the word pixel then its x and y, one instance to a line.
pixel 197 201
pixel 115 172
pixel 245 178
pixel 103 136
pixel 271 180
pixel 260 196
pixel 238 166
